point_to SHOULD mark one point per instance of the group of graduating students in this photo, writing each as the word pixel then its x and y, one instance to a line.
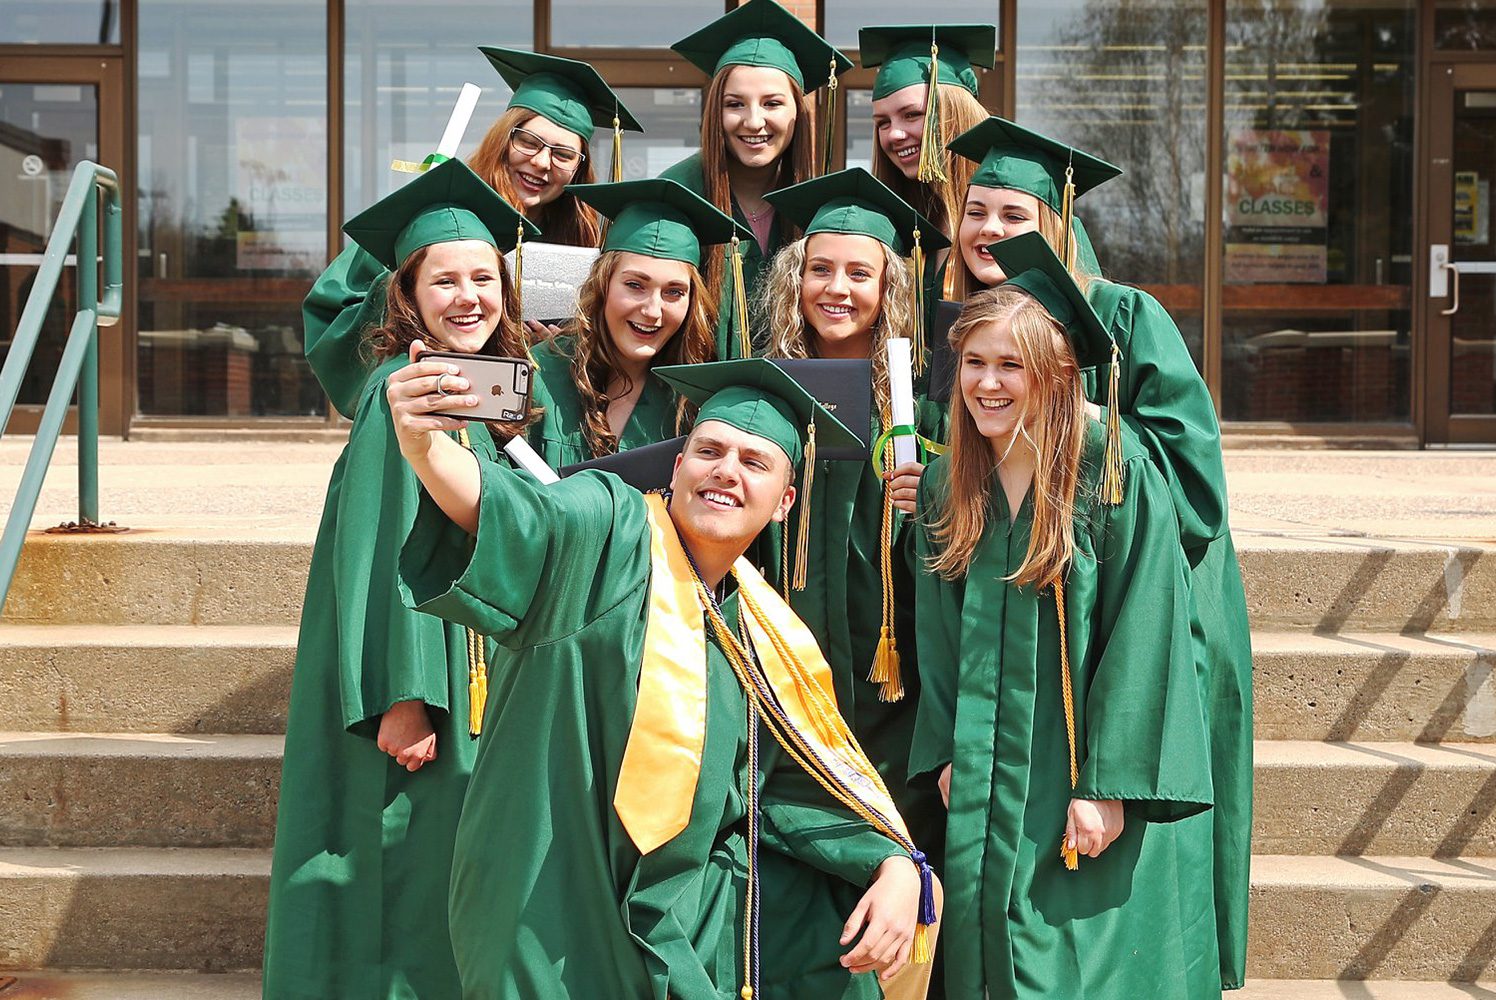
pixel 789 725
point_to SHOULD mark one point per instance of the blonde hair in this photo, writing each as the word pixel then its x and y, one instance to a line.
pixel 594 356
pixel 792 337
pixel 962 282
pixel 1053 423
pixel 566 219
pixel 939 201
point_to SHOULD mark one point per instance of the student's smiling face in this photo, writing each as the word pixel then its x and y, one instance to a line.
pixel 841 290
pixel 899 124
pixel 534 170
pixel 990 215
pixel 995 385
pixel 727 486
pixel 758 114
pixel 646 303
pixel 459 294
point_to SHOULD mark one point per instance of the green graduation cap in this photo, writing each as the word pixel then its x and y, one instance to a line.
pixel 901 54
pixel 854 201
pixel 567 92
pixel 1011 156
pixel 659 218
pixel 762 33
pixel 448 202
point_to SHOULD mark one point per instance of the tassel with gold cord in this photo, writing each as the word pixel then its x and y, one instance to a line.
pixel 477 661
pixel 802 537
pixel 917 258
pixel 931 149
pixel 740 301
pixel 828 121
pixel 1067 220
pixel 885 669
pixel 1070 855
pixel 519 272
pixel 617 172
pixel 1111 476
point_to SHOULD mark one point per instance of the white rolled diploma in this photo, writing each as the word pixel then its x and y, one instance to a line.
pixel 462 113
pixel 525 457
pixel 901 399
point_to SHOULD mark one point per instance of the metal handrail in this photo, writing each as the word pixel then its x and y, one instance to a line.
pixel 79 367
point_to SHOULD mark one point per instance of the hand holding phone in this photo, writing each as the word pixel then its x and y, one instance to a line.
pixel 502 385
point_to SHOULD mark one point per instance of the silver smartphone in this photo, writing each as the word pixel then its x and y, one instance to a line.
pixel 502 385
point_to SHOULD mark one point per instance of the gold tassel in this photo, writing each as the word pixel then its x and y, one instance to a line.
pixel 922 954
pixel 885 668
pixel 828 121
pixel 1070 855
pixel 519 273
pixel 740 302
pixel 917 256
pixel 1067 220
pixel 784 559
pixel 802 538
pixel 931 149
pixel 617 150
pixel 1111 477
pixel 477 662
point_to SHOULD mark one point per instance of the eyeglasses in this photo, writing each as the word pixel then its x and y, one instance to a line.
pixel 531 144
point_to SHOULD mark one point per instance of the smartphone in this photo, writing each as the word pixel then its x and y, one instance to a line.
pixel 502 385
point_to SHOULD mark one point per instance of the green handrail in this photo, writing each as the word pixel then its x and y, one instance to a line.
pixel 79 368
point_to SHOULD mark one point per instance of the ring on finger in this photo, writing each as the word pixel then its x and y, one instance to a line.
pixel 441 389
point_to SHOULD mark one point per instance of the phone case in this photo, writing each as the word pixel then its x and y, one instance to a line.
pixel 502 385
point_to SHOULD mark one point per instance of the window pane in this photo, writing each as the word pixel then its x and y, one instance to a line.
pixel 861 143
pixel 671 117
pixel 403 69
pixel 844 18
pixel 1318 211
pixel 1465 24
pixel 1127 83
pixel 233 203
pixel 629 23
pixel 59 22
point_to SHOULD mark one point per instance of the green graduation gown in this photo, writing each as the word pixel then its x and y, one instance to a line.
pixel 558 435
pixel 688 174
pixel 1137 921
pixel 550 898
pixel 363 847
pixel 1165 402
pixel 346 301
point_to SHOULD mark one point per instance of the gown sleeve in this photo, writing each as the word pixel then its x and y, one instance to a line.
pixel 1166 403
pixel 346 301
pixel 938 603
pixel 386 653
pixel 545 562
pixel 1145 737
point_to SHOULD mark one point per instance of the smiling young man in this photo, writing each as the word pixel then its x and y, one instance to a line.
pixel 610 847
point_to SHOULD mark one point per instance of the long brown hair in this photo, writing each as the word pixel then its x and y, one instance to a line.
pixel 567 219
pixel 403 325
pixel 940 201
pixel 792 337
pixel 1053 424
pixel 594 358
pixel 961 283
pixel 798 163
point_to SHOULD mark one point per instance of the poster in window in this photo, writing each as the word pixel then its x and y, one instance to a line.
pixel 1277 207
pixel 281 194
pixel 1472 209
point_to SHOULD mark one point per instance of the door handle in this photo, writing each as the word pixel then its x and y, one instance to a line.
pixel 1454 292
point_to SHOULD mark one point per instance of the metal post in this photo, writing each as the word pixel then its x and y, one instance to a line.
pixel 88 378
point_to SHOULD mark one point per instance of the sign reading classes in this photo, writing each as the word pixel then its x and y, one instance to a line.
pixel 1277 207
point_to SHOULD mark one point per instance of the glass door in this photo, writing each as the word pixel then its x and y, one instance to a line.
pixel 54 113
pixel 1462 256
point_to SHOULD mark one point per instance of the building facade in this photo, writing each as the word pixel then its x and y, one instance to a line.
pixel 1307 187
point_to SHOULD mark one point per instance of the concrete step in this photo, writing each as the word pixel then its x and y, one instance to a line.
pixel 1375 798
pixel 1375 686
pixel 1372 917
pixel 51 985
pixel 146 678
pixel 134 908
pixel 1355 989
pixel 102 790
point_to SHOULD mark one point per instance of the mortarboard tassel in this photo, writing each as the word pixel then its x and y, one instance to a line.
pixel 885 669
pixel 828 121
pixel 519 271
pixel 922 953
pixel 1067 220
pixel 931 149
pixel 617 150
pixel 1111 474
pixel 477 662
pixel 1070 855
pixel 917 256
pixel 802 537
pixel 740 302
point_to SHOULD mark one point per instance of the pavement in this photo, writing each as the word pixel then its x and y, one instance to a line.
pixel 244 487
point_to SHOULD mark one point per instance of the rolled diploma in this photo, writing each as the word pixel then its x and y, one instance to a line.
pixel 901 399
pixel 525 457
pixel 462 113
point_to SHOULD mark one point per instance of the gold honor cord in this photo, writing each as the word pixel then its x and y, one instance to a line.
pixel 477 662
pixel 750 922
pixel 885 669
pixel 1070 855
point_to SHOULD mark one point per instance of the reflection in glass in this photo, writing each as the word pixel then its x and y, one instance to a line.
pixel 861 143
pixel 1472 330
pixel 631 23
pixel 45 131
pixel 232 204
pixel 671 117
pixel 1127 83
pixel 1465 24
pixel 844 18
pixel 1318 211
pixel 59 22
pixel 403 69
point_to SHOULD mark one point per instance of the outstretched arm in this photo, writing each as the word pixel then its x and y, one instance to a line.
pixel 447 469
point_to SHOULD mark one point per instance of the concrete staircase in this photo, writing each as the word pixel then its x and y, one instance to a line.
pixel 143 686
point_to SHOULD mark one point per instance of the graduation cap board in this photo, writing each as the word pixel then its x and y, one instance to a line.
pixel 901 54
pixel 566 92
pixel 845 387
pixel 659 218
pixel 762 33
pixel 854 201
pixel 448 202
pixel 1011 156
